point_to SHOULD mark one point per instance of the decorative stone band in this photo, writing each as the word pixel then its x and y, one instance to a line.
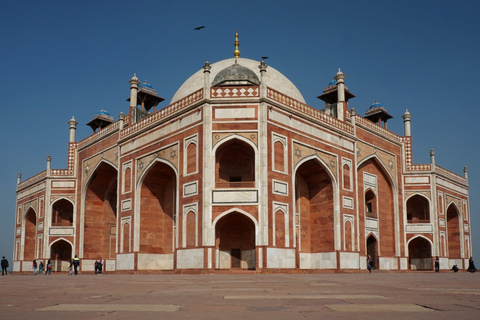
pixel 161 114
pixel 234 92
pixel 310 111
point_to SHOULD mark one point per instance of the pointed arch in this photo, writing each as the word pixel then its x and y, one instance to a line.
pixel 156 208
pixel 372 248
pixel 235 240
pixel 243 212
pixel 380 162
pixel 62 212
pixel 234 162
pixel 420 253
pixel 372 172
pixel 454 236
pixel 319 201
pixel 418 208
pixel 30 233
pixel 61 252
pixel 98 214
pixel 138 192
pixel 371 203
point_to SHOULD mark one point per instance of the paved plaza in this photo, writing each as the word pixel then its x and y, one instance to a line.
pixel 242 296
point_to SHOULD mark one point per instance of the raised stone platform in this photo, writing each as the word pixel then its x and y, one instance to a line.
pixel 242 296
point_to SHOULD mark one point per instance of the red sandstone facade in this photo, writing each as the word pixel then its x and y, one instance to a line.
pixel 242 174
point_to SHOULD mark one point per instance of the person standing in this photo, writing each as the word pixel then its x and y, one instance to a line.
pixel 76 264
pixel 34 266
pixel 49 267
pixel 369 263
pixel 40 267
pixel 100 266
pixel 471 265
pixel 437 264
pixel 4 264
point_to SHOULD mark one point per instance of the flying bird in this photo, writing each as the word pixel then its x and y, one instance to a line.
pixel 198 28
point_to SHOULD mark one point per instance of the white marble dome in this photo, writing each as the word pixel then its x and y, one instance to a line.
pixel 273 79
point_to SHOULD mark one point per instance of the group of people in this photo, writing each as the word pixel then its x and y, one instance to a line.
pixel 471 265
pixel 40 267
pixel 98 266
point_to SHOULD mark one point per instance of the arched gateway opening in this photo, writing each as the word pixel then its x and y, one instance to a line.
pixel 158 205
pixel 60 254
pixel 314 203
pixel 420 254
pixel 453 228
pixel 372 250
pixel 235 242
pixel 30 235
pixel 101 214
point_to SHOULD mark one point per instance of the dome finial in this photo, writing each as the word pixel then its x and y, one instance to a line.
pixel 236 53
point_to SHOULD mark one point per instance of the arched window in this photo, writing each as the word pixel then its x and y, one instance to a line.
pixel 190 230
pixel 346 177
pixel 370 204
pixel 127 180
pixel 279 229
pixel 440 203
pixel 279 160
pixel 191 158
pixel 348 236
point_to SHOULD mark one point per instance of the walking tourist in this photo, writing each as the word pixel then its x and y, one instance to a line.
pixel 76 264
pixel 369 263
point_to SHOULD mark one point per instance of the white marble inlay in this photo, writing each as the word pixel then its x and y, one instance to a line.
pixel 417 180
pixel 126 204
pixel 280 187
pixel 347 202
pixel 371 223
pixel 228 113
pixel 190 189
pixel 63 184
pixel 419 228
pixel 61 231
pixel 233 196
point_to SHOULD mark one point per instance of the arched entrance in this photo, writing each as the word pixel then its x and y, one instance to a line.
pixel 453 229
pixel 60 254
pixel 101 214
pixel 314 204
pixel 372 249
pixel 157 210
pixel 235 242
pixel 420 254
pixel 30 235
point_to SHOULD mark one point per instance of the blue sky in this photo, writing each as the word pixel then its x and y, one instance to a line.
pixel 60 59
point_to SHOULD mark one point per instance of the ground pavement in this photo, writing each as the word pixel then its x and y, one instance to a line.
pixel 242 296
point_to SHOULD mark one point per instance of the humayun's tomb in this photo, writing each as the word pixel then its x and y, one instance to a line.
pixel 238 173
